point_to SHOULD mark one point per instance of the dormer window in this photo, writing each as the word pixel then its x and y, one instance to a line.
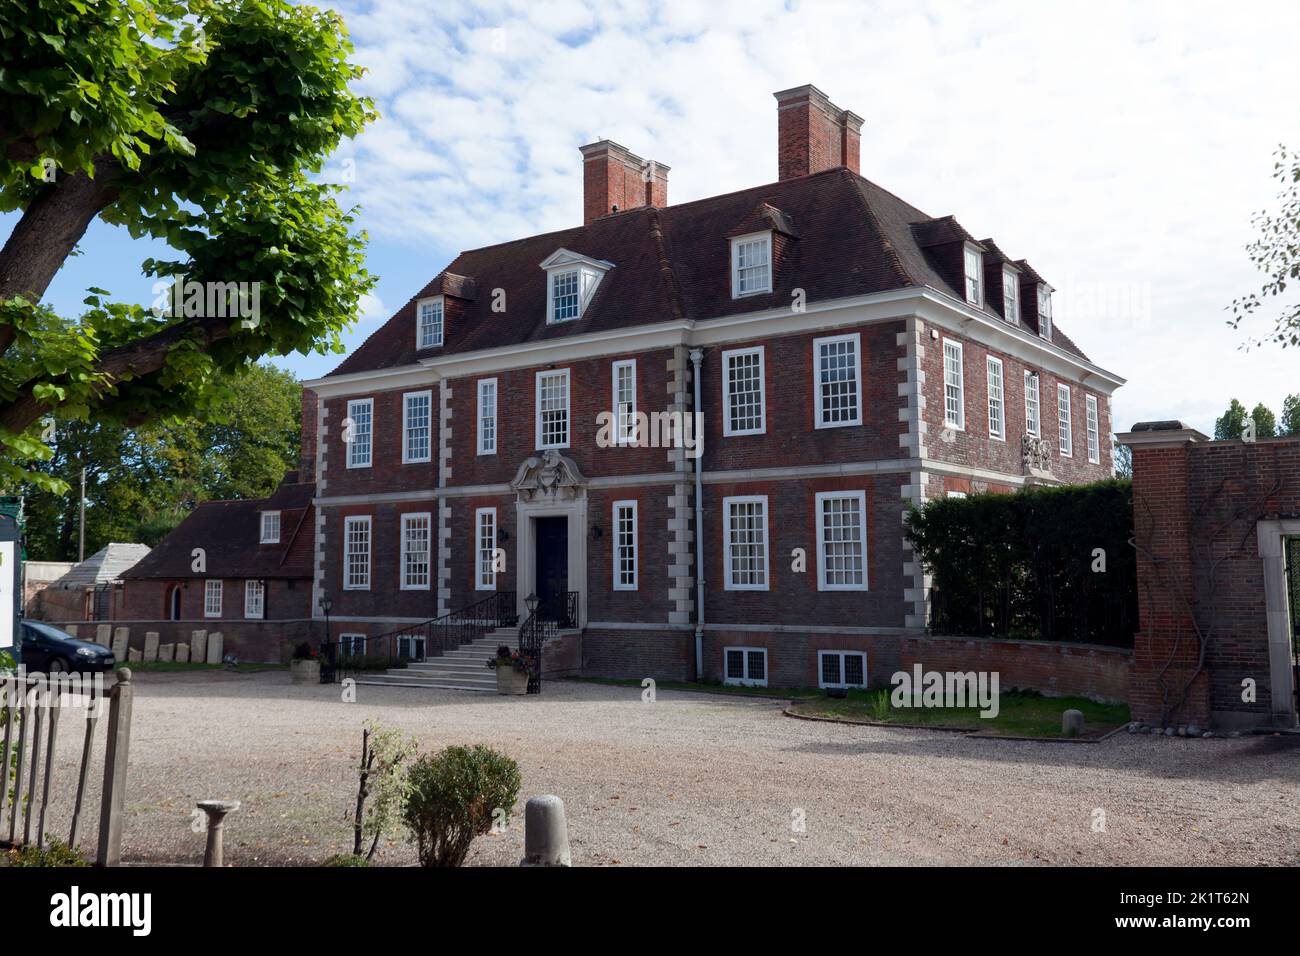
pixel 270 527
pixel 751 264
pixel 428 325
pixel 571 282
pixel 974 276
pixel 1011 296
pixel 1045 311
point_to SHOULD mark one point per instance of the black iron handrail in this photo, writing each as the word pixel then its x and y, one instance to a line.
pixel 418 642
pixel 562 609
pixel 533 635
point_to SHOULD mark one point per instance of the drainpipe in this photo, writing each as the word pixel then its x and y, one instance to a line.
pixel 697 359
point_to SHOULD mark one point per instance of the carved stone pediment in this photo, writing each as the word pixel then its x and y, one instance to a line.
pixel 1037 456
pixel 548 475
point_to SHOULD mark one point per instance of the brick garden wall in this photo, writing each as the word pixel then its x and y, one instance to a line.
pixel 1052 668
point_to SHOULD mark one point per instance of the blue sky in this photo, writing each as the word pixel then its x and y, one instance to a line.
pixel 1120 147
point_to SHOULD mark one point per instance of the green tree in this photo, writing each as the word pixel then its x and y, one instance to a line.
pixel 196 122
pixel 1289 426
pixel 1276 253
pixel 1265 421
pixel 1123 461
pixel 1232 423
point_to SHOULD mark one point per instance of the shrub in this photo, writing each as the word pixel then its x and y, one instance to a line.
pixel 380 781
pixel 346 859
pixel 304 652
pixel 56 853
pixel 452 797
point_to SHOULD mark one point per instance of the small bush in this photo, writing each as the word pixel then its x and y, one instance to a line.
pixel 451 799
pixel 57 853
pixel 304 652
pixel 346 859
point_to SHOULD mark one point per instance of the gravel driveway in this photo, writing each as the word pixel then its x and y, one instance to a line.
pixel 699 779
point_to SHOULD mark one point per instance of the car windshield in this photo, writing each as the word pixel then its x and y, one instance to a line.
pixel 47 630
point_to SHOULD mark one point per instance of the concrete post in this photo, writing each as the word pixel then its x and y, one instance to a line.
pixel 1072 723
pixel 216 811
pixel 115 759
pixel 546 834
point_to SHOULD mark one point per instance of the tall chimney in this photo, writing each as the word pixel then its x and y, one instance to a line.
pixel 814 134
pixel 614 180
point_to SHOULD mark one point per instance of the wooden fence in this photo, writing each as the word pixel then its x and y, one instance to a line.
pixel 33 707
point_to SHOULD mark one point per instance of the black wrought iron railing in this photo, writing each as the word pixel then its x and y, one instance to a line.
pixel 561 609
pixel 533 635
pixel 347 657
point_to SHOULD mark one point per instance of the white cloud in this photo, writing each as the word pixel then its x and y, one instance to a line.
pixel 1120 147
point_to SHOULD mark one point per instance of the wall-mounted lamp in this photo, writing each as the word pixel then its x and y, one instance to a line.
pixel 503 535
pixel 596 531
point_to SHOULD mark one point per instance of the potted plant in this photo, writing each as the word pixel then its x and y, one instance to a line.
pixel 512 671
pixel 305 666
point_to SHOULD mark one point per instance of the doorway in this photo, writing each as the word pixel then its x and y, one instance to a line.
pixel 174 603
pixel 551 561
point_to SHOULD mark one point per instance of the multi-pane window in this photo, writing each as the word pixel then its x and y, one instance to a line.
pixel 212 599
pixel 1031 404
pixel 742 392
pixel 485 567
pixel 270 527
pixel 1065 441
pixel 566 296
pixel 415 552
pixel 352 645
pixel 254 599
pixel 997 402
pixel 429 327
pixel 624 545
pixel 745 665
pixel 842 668
pixel 417 417
pixel 751 265
pixel 842 541
pixel 954 386
pixel 553 409
pixel 624 389
pixel 487 416
pixel 356 553
pixel 746 543
pixel 837 371
pixel 358 431
pixel 1094 430
pixel 974 277
pixel 1010 296
pixel 1045 311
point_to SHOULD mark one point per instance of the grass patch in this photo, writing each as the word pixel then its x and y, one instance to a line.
pixel 167 667
pixel 708 687
pixel 1020 713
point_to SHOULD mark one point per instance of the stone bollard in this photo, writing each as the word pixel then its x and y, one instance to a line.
pixel 1072 723
pixel 216 811
pixel 546 834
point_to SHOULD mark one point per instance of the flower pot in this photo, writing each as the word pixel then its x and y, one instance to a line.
pixel 305 671
pixel 511 681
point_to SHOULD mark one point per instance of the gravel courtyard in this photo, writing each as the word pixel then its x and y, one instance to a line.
pixel 699 779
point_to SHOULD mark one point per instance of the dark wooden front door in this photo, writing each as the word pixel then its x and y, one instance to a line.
pixel 551 540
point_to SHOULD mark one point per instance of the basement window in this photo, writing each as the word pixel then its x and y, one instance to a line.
pixel 841 669
pixel 745 666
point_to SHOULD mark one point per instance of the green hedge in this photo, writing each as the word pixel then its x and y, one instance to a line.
pixel 1021 565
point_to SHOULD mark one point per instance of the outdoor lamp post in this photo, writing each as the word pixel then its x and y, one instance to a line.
pixel 530 602
pixel 325 605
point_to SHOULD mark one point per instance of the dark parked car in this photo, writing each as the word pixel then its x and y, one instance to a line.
pixel 51 651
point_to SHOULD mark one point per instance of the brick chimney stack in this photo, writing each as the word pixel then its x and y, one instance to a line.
pixel 614 180
pixel 814 134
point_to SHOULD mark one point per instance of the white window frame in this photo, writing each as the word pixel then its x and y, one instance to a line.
pixel 745 681
pixel 212 587
pixel 486 446
pixel 436 328
pixel 485 580
pixel 407 458
pixel 349 522
pixel 551 279
pixel 563 263
pixel 1011 296
pixel 997 407
pixel 1034 423
pixel 407 520
pixel 1094 429
pixel 973 270
pixel 353 458
pixel 821 681
pixel 625 430
pixel 254 610
pixel 728 429
pixel 822 569
pixel 1045 310
pixel 729 584
pixel 818 409
pixel 267 537
pixel 537 408
pixel 960 385
pixel 348 642
pixel 616 533
pixel 736 245
pixel 1064 422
